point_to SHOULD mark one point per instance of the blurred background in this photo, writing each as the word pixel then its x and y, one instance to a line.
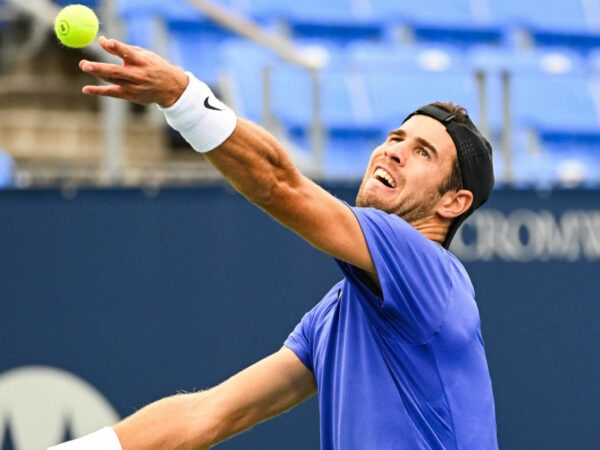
pixel 130 271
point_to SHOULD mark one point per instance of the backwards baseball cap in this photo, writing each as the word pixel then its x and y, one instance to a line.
pixel 474 155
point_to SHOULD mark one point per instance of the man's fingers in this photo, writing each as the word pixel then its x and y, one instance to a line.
pixel 144 77
pixel 118 91
pixel 101 90
pixel 107 91
pixel 108 71
pixel 126 52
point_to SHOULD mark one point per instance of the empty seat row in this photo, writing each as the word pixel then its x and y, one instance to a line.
pixel 573 23
pixel 372 82
pixel 549 100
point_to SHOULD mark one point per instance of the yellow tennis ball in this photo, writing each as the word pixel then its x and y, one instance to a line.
pixel 76 26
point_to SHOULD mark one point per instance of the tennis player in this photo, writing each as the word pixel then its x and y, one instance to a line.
pixel 394 351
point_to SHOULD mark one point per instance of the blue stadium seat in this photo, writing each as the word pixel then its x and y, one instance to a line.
pixel 172 9
pixel 350 135
pixel 419 74
pixel 555 104
pixel 194 46
pixel 192 38
pixel 140 17
pixel 334 21
pixel 533 170
pixel 393 95
pixel 541 59
pixel 361 106
pixel 559 113
pixel 292 96
pixel 553 109
pixel 244 63
pixel 547 169
pixel 593 61
pixel 429 56
pixel 458 22
pixel 550 23
pixel 259 9
pixel 493 61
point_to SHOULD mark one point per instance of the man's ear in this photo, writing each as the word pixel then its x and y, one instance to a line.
pixel 455 203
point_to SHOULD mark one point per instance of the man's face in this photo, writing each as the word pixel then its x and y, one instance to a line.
pixel 405 172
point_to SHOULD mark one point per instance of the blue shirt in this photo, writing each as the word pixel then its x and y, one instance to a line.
pixel 403 368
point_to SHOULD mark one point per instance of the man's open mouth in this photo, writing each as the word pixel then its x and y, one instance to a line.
pixel 385 178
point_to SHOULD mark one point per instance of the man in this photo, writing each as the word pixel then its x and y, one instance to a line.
pixel 394 350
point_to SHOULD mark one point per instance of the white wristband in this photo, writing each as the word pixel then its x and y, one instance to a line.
pixel 104 439
pixel 202 119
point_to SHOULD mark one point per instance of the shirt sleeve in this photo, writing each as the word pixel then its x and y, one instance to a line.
pixel 413 271
pixel 303 338
pixel 299 341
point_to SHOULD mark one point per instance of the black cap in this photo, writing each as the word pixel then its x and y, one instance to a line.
pixel 474 154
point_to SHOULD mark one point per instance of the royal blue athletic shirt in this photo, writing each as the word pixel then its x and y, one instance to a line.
pixel 404 368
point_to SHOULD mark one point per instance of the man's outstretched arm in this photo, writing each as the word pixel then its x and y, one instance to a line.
pixel 250 158
pixel 202 419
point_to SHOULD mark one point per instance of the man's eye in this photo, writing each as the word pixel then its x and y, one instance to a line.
pixel 395 139
pixel 424 153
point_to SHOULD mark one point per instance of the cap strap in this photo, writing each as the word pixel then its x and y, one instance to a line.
pixel 437 113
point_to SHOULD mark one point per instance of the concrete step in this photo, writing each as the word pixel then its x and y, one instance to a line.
pixel 45 92
pixel 54 135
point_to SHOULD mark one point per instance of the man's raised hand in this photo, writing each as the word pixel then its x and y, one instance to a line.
pixel 144 77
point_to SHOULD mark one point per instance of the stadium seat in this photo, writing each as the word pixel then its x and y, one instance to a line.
pixel 333 21
pixel 554 118
pixel 550 23
pixel 243 64
pixel 566 15
pixel 361 104
pixel 560 115
pixel 172 9
pixel 547 169
pixel 191 37
pixel 555 103
pixel 337 90
pixel 459 22
pixel 429 56
pixel 492 61
pixel 593 61
pixel 393 95
pixel 350 135
pixel 194 44
pixel 542 59
pixel 141 18
pixel 416 74
pixel 533 170
pixel 263 10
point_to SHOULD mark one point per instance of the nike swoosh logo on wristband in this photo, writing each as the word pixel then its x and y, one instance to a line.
pixel 209 106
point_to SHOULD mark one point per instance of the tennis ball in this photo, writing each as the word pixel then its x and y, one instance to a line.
pixel 76 26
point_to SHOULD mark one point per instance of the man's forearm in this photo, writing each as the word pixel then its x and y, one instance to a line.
pixel 177 422
pixel 248 156
pixel 202 419
pixel 254 163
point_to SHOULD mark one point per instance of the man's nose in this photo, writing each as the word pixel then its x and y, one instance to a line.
pixel 396 153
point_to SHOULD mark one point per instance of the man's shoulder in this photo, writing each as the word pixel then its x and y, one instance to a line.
pixel 378 225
